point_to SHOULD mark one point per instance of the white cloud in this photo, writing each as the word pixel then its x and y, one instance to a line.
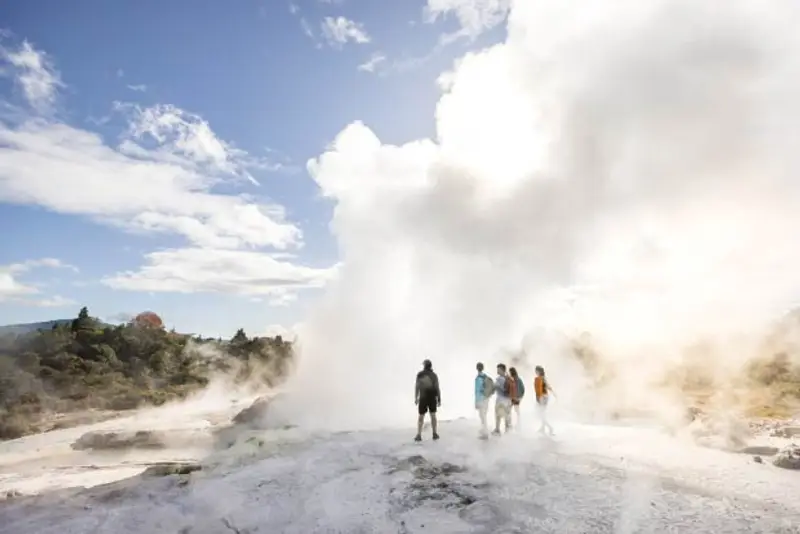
pixel 294 9
pixel 13 290
pixel 624 168
pixel 373 62
pixel 474 16
pixel 165 189
pixel 34 73
pixel 160 179
pixel 197 270
pixel 340 30
pixel 56 301
pixel 179 137
pixel 140 88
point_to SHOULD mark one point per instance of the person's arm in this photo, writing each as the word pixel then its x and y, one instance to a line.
pixel 436 388
pixel 416 390
pixel 551 390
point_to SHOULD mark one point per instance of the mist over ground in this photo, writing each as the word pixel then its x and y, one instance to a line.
pixel 623 169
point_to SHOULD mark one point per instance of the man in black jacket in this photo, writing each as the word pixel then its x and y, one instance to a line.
pixel 427 397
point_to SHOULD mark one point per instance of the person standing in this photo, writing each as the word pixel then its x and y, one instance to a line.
pixel 502 404
pixel 484 389
pixel 543 390
pixel 517 392
pixel 427 397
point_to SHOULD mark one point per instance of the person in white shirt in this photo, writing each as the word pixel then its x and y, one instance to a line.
pixel 502 406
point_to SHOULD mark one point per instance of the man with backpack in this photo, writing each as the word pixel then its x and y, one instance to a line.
pixel 484 389
pixel 427 397
pixel 502 406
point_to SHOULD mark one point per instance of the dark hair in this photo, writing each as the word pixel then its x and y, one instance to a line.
pixel 501 366
pixel 513 371
pixel 427 364
pixel 540 370
pixel 479 367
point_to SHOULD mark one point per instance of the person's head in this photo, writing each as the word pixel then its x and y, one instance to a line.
pixel 539 370
pixel 501 368
pixel 512 371
pixel 427 365
pixel 479 367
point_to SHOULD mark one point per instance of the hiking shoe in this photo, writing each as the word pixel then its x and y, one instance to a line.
pixel 436 436
pixel 496 433
pixel 417 438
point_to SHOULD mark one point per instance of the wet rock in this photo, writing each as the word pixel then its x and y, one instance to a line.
pixel 253 415
pixel 786 432
pixel 13 494
pixel 433 483
pixel 788 457
pixel 760 450
pixel 142 439
pixel 171 468
pixel 758 459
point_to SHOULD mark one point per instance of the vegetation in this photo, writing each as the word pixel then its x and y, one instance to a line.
pixel 762 380
pixel 86 365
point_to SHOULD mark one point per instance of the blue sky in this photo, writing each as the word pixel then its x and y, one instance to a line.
pixel 153 154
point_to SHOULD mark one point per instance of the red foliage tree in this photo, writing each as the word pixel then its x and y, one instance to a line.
pixel 148 319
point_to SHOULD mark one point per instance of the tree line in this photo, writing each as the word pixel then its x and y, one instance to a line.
pixel 87 366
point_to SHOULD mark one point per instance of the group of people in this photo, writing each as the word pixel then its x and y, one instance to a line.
pixel 507 387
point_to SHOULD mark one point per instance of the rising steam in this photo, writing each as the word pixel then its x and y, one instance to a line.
pixel 625 168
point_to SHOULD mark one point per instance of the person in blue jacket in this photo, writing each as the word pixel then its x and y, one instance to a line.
pixel 484 389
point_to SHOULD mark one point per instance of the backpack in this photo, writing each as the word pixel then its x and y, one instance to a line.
pixel 507 386
pixel 425 383
pixel 520 387
pixel 488 386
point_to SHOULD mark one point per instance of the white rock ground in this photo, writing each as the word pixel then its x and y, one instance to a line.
pixel 589 478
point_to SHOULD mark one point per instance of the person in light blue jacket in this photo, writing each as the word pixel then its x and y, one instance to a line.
pixel 484 389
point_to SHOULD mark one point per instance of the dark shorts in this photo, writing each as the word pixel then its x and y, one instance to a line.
pixel 515 402
pixel 427 403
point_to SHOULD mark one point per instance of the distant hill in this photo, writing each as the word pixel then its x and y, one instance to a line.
pixel 26 328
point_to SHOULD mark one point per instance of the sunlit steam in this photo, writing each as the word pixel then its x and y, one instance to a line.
pixel 626 168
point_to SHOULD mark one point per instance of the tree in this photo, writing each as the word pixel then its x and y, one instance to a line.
pixel 83 323
pixel 240 338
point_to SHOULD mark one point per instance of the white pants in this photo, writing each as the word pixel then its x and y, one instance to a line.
pixel 541 406
pixel 483 410
pixel 502 412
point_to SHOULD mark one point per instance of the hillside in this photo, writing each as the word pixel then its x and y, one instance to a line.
pixel 27 328
pixel 84 367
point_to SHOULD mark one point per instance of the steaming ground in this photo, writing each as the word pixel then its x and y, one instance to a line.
pixel 589 478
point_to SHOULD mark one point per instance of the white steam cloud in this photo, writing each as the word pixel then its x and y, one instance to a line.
pixel 626 168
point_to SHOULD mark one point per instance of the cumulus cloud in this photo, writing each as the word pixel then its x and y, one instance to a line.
pixel 139 88
pixel 625 169
pixel 230 272
pixel 340 30
pixel 33 71
pixel 13 290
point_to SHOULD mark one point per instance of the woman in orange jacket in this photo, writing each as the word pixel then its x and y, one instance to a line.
pixel 543 390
